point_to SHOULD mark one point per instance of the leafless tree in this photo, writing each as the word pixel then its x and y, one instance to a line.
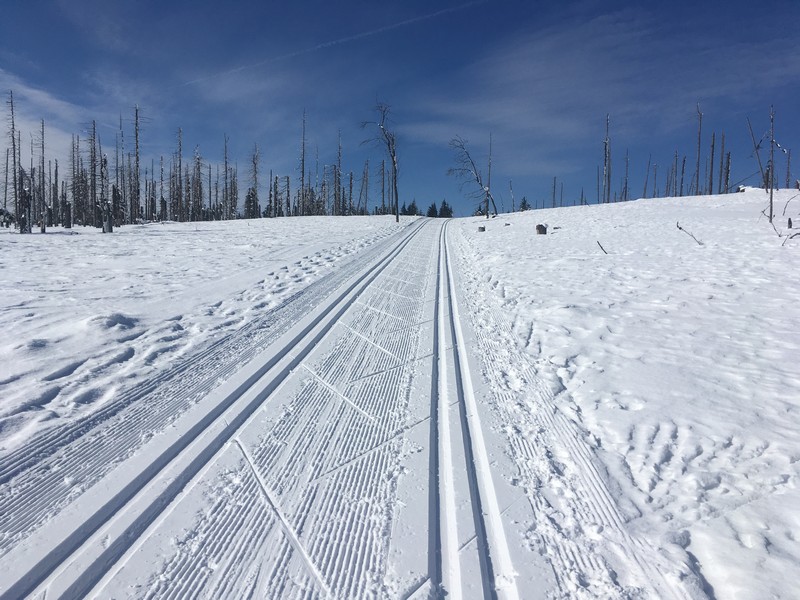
pixel 468 172
pixel 302 199
pixel 14 150
pixel 387 138
pixel 699 132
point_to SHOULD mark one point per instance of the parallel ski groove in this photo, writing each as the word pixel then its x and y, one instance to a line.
pixel 340 518
pixel 498 570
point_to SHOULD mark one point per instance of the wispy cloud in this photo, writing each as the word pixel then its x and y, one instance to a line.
pixel 547 92
pixel 343 40
pixel 31 105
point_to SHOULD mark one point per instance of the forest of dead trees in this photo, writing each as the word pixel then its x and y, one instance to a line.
pixel 107 187
pixel 705 171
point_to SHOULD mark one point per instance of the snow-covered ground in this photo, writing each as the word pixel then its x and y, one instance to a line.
pixel 674 364
pixel 346 407
pixel 85 314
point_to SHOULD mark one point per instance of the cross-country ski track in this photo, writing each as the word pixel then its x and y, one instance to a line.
pixel 357 441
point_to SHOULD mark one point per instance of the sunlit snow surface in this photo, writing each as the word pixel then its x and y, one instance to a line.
pixel 678 363
pixel 642 405
pixel 85 312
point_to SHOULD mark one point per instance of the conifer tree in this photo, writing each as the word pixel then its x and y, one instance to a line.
pixel 445 210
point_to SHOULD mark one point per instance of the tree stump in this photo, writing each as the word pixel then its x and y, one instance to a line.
pixel 481 228
pixel 541 229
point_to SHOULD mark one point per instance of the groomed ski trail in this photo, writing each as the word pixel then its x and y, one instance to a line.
pixel 69 554
pixel 457 405
pixel 44 476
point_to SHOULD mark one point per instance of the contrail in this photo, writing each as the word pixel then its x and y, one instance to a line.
pixel 344 40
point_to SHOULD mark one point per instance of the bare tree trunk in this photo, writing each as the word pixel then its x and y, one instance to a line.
pixel 14 150
pixel 489 177
pixel 721 162
pixel 788 168
pixel 383 187
pixel 655 181
pixel 135 201
pixel 93 174
pixel 625 186
pixel 366 187
pixel 225 191
pixel 350 201
pixel 288 199
pixel 42 209
pixel 683 172
pixel 607 163
pixel 647 175
pixel 699 131
pixel 302 195
pixel 728 173
pixel 711 164
pixel 675 175
pixel 771 159
pixel 337 183
pixel 5 186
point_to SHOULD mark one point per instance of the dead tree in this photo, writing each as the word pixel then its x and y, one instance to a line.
pixel 771 159
pixel 607 164
pixel 225 189
pixel 135 191
pixel 338 202
pixel 699 131
pixel 683 172
pixel 625 185
pixel 788 167
pixel 302 195
pixel 14 149
pixel 467 172
pixel 756 147
pixel 711 164
pixel 5 187
pixel 387 138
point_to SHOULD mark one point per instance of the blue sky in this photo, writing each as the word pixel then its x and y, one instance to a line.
pixel 539 76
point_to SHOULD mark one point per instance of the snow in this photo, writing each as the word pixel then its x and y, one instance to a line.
pixel 674 362
pixel 84 312
pixel 349 407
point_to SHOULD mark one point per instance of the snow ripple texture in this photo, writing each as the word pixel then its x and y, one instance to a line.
pixel 305 509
